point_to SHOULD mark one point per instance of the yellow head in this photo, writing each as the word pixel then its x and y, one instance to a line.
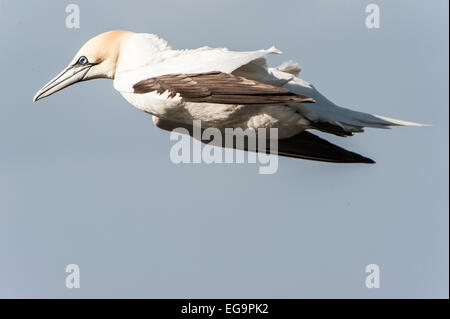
pixel 97 58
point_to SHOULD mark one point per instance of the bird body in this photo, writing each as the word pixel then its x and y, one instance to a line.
pixel 220 88
pixel 133 68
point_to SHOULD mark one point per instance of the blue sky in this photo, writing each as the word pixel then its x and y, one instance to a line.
pixel 86 178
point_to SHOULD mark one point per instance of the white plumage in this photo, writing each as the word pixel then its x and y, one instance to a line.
pixel 133 68
pixel 180 86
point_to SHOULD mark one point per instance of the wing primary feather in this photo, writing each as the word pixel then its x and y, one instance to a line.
pixel 309 146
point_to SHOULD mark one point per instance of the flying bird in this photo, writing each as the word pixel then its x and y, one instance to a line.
pixel 222 89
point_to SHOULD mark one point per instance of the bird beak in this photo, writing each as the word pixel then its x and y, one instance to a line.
pixel 70 75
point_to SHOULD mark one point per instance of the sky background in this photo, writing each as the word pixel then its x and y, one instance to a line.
pixel 85 178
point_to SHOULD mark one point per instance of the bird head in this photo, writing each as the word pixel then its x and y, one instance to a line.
pixel 96 59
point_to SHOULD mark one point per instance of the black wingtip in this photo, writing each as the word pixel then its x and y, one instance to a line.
pixel 366 160
pixel 309 146
pixel 352 157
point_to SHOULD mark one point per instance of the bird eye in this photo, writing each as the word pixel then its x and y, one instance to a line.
pixel 83 60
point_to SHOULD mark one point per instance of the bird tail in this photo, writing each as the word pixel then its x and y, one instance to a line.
pixel 324 114
pixel 372 120
pixel 342 120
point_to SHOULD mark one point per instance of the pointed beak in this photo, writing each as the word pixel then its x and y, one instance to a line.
pixel 70 75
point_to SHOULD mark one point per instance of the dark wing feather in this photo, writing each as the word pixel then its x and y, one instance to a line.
pixel 309 146
pixel 303 145
pixel 218 87
pixel 330 128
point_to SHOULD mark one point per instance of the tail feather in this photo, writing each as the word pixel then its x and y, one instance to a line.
pixel 325 111
pixel 352 121
pixel 393 122
pixel 360 119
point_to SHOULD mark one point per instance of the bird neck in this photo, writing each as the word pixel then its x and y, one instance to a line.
pixel 141 49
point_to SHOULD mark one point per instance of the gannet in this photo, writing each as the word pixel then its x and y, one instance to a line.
pixel 220 88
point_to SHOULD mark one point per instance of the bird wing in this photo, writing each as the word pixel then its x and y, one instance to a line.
pixel 202 60
pixel 303 145
pixel 217 87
